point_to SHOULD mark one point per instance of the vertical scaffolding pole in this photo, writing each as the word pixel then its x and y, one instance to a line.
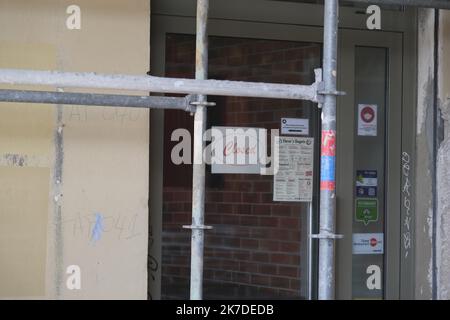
pixel 328 156
pixel 310 251
pixel 198 183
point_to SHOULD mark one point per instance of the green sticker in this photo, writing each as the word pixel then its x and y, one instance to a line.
pixel 366 210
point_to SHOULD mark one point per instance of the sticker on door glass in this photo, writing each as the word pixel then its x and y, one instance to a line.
pixel 295 126
pixel 368 243
pixel 366 210
pixel 366 183
pixel 367 120
pixel 294 179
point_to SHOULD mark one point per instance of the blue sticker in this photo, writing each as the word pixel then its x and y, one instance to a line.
pixel 366 183
pixel 327 168
pixel 98 228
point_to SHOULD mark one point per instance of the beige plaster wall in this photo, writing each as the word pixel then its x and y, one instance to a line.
pixel 74 180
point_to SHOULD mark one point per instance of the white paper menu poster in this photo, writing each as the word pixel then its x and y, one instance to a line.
pixel 294 179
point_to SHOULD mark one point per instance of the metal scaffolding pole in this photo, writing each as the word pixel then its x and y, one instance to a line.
pixel 198 177
pixel 159 84
pixel 90 99
pixel 438 4
pixel 326 234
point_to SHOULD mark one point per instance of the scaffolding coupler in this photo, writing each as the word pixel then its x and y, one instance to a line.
pixel 320 89
pixel 196 102
pixel 327 235
pixel 198 227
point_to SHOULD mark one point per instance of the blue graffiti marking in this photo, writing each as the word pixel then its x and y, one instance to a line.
pixel 98 228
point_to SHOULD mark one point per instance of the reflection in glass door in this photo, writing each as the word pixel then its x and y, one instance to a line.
pixel 369 170
pixel 257 247
pixel 368 163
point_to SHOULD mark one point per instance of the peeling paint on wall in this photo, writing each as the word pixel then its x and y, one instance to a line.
pixel 443 208
pixel 443 163
pixel 424 155
pixel 425 67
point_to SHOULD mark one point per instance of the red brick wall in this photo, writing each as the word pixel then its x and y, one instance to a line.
pixel 255 248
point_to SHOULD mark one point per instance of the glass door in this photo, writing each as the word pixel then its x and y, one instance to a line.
pixel 258 247
pixel 368 162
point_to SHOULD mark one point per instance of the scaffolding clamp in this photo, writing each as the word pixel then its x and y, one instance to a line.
pixel 320 89
pixel 334 93
pixel 190 107
pixel 198 227
pixel 205 104
pixel 193 102
pixel 197 103
pixel 321 93
pixel 327 235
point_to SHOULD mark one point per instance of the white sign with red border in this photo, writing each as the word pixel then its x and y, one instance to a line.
pixel 368 243
pixel 367 120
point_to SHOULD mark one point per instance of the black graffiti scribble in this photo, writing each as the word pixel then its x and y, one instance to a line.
pixel 153 266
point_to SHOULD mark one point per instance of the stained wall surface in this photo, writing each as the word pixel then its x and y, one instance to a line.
pixel 443 161
pixel 74 180
pixel 424 154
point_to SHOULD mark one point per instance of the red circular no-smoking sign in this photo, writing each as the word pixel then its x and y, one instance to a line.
pixel 367 114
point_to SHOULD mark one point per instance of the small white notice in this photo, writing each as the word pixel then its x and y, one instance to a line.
pixel 367 120
pixel 294 179
pixel 295 126
pixel 368 243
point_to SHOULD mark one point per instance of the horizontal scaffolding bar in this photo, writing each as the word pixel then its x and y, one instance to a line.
pixel 159 84
pixel 90 99
pixel 438 4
